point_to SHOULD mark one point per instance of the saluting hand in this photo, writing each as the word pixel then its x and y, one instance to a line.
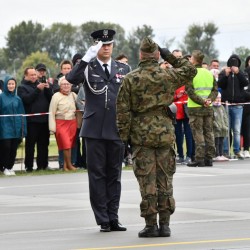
pixel 92 52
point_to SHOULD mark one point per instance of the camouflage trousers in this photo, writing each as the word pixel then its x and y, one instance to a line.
pixel 154 169
pixel 202 129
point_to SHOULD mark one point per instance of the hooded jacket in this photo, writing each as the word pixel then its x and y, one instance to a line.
pixel 247 67
pixel 246 62
pixel 246 108
pixel 10 104
pixel 35 100
pixel 232 86
pixel 180 98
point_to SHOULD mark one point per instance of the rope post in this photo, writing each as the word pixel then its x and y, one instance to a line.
pixel 22 144
pixel 229 131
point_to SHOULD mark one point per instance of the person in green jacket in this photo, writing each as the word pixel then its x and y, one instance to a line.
pixel 220 126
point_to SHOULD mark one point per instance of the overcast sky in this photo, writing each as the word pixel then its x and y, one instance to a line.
pixel 168 18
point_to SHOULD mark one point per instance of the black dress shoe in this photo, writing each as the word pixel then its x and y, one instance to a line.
pixel 105 227
pixel 164 230
pixel 115 225
pixel 149 231
pixel 196 164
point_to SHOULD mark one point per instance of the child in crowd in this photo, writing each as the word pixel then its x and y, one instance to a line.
pixel 220 128
pixel 182 128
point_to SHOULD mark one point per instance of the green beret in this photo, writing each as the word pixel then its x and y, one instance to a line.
pixel 148 45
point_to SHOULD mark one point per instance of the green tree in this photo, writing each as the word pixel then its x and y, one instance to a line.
pixel 58 41
pixel 134 41
pixel 23 39
pixel 3 61
pixel 243 53
pixel 35 58
pixel 169 42
pixel 201 37
pixel 83 39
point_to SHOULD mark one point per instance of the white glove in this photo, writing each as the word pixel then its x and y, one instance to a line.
pixel 92 52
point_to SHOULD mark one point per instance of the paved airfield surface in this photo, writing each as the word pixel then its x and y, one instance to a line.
pixel 53 212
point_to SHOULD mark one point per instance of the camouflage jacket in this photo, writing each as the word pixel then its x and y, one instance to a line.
pixel 142 100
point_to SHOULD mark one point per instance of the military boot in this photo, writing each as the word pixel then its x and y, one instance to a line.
pixel 164 230
pixel 208 162
pixel 196 164
pixel 149 231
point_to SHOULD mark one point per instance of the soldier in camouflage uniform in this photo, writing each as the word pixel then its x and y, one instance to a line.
pixel 142 102
pixel 201 94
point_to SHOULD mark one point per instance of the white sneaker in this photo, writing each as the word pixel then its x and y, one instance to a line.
pixel 7 172
pixel 187 160
pixel 217 158
pixel 240 155
pixel 246 154
pixel 12 172
pixel 224 158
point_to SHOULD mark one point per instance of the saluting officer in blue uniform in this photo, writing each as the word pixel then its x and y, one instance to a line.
pixel 102 77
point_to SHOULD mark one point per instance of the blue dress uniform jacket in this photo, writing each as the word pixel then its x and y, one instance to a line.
pixel 99 120
pixel 105 150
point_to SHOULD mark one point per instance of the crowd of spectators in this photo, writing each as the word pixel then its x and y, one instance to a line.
pixel 231 111
pixel 35 98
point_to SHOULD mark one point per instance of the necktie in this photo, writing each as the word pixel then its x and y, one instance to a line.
pixel 105 65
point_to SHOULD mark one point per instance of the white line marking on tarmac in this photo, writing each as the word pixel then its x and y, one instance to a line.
pixel 45 184
pixel 188 175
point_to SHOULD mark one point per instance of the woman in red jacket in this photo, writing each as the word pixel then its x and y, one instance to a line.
pixel 182 127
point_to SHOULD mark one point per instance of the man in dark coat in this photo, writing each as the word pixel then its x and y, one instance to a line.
pixel 232 82
pixel 102 78
pixel 36 98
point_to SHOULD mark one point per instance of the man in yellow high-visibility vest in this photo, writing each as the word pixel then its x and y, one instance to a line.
pixel 201 94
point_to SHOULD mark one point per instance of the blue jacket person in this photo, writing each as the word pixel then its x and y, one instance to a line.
pixel 102 77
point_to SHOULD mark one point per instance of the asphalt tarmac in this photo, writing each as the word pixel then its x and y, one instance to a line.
pixel 53 211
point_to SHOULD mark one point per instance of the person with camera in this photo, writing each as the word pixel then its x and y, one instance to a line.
pixel 232 82
pixel 36 96
pixel 41 72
